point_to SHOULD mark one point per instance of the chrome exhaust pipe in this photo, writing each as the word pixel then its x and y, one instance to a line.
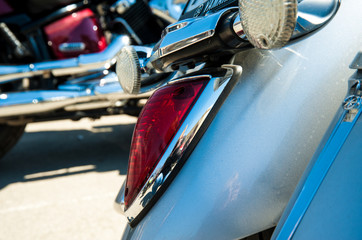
pixel 81 64
pixel 75 95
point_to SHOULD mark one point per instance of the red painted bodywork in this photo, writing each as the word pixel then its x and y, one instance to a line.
pixel 5 8
pixel 79 27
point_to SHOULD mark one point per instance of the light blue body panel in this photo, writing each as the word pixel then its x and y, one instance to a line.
pixel 336 209
pixel 328 202
pixel 245 168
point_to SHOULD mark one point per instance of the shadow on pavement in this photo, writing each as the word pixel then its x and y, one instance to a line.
pixel 51 154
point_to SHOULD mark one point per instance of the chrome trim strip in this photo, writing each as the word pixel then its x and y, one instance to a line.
pixel 83 63
pixel 71 47
pixel 188 32
pixel 185 43
pixel 184 141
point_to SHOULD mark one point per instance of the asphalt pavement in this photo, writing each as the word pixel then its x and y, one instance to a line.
pixel 61 179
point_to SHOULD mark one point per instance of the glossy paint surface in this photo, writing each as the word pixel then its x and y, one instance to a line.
pixel 243 171
pixel 78 28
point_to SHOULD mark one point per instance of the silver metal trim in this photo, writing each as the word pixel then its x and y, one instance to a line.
pixel 97 93
pixel 82 64
pixel 185 43
pixel 203 109
pixel 238 28
pixel 187 32
pixel 71 47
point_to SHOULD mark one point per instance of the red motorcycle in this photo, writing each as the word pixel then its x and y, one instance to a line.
pixel 57 59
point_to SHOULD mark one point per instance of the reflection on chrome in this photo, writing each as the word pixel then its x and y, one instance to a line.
pixel 312 14
pixel 90 92
pixel 186 34
pixel 84 63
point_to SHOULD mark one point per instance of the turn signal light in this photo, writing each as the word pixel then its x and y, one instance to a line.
pixel 157 125
pixel 268 24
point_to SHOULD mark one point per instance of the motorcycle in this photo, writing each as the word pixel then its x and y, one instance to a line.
pixel 219 151
pixel 57 59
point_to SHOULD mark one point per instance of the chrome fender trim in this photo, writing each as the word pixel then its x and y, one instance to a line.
pixel 185 140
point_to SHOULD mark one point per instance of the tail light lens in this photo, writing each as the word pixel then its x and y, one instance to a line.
pixel 157 124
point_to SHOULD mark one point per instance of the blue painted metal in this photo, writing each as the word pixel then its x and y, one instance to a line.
pixel 317 174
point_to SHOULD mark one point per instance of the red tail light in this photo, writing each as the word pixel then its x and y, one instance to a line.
pixel 158 123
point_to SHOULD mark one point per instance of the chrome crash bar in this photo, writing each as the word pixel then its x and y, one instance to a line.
pixel 99 91
pixel 83 63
